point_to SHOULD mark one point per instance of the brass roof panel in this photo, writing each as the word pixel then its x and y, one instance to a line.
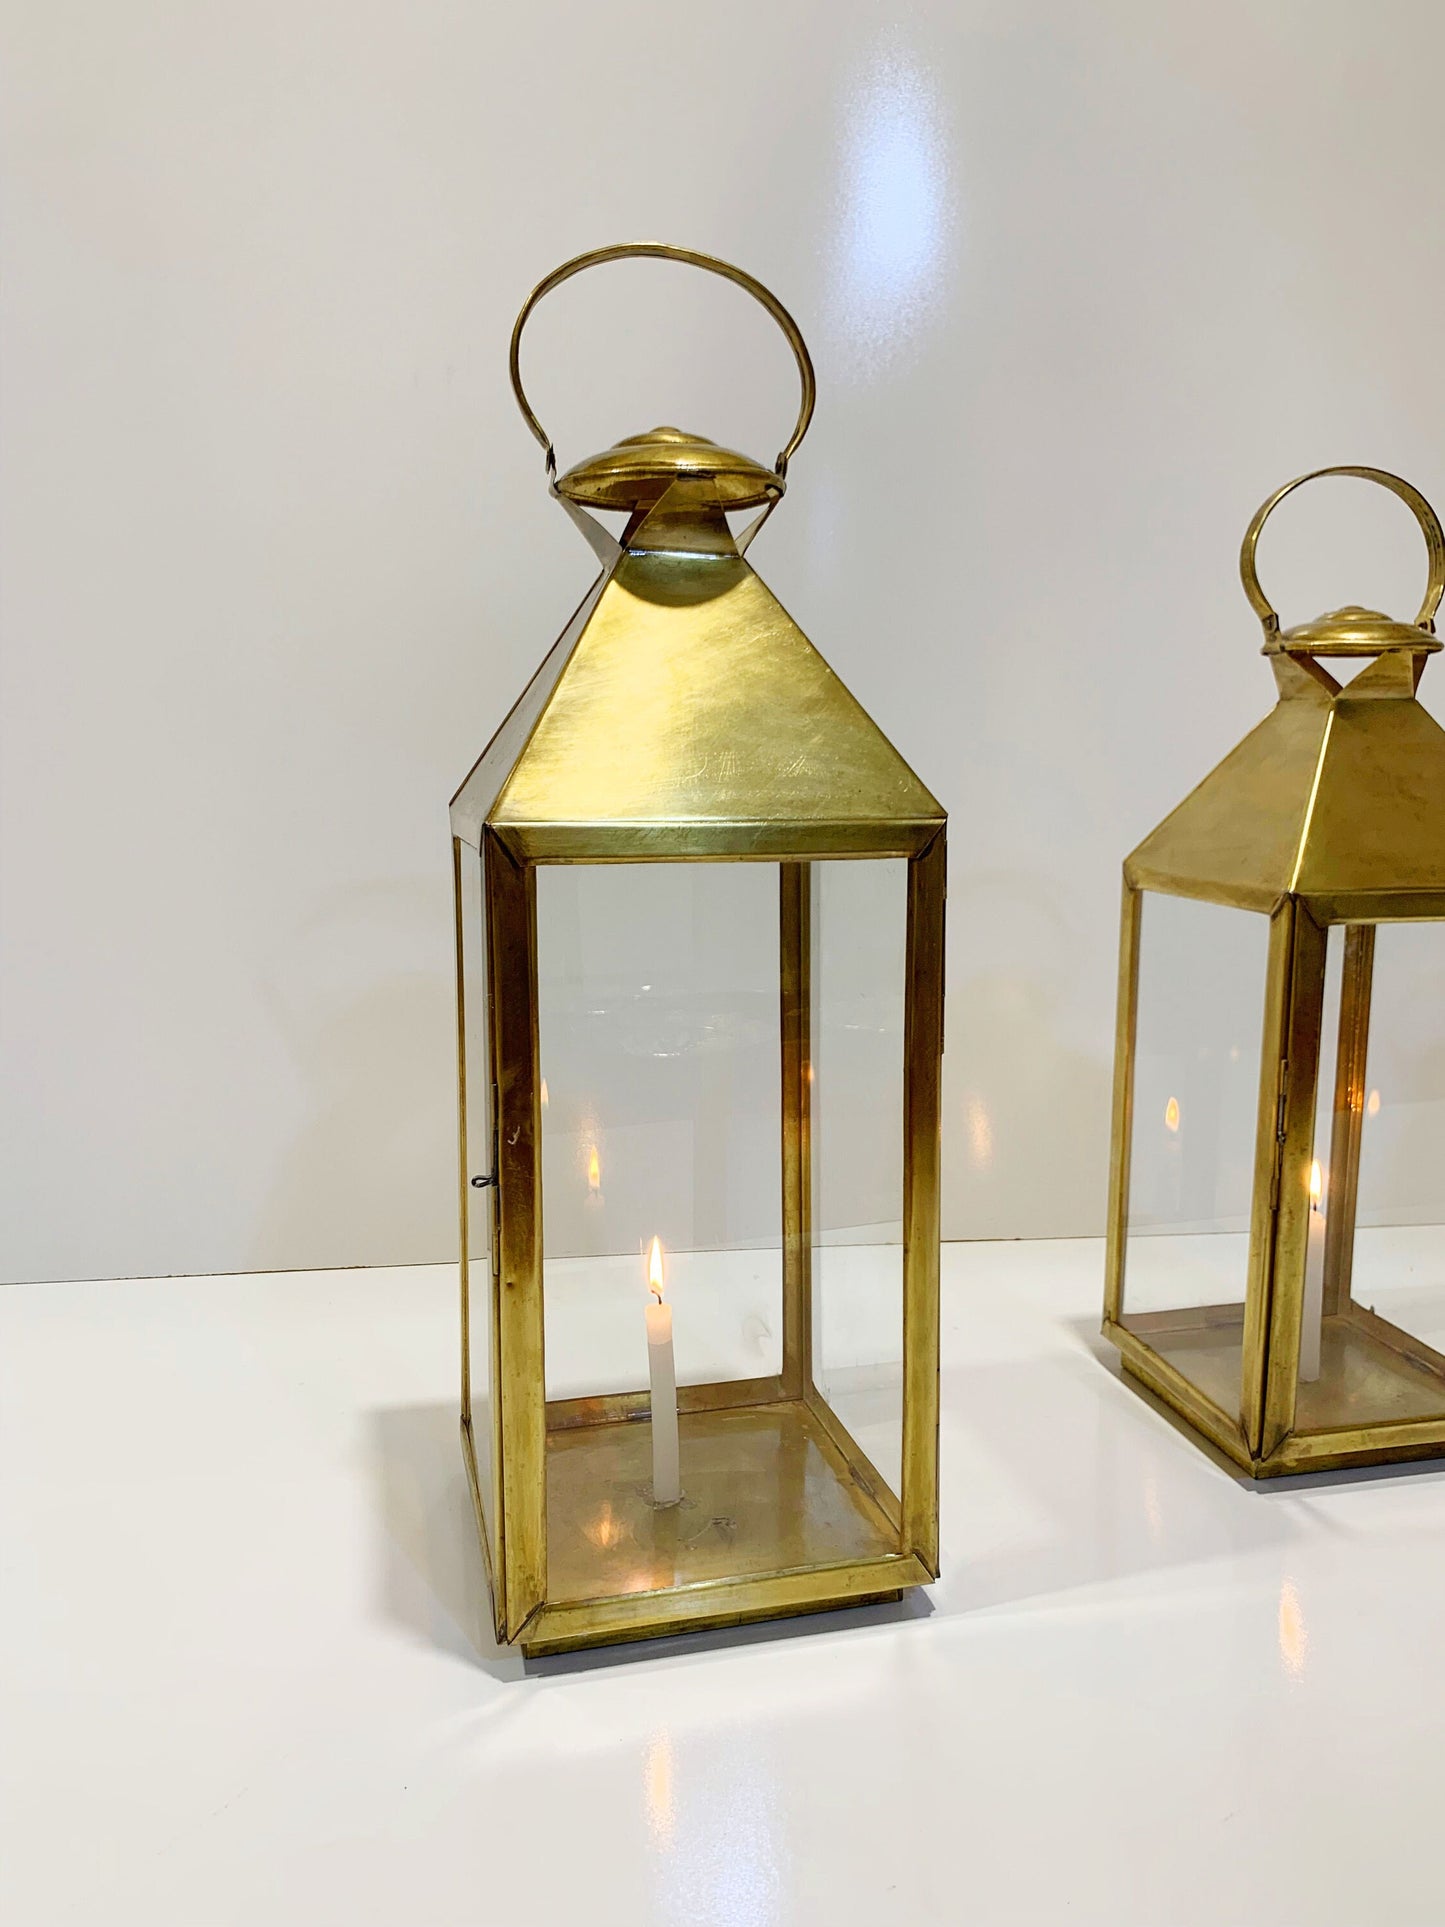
pixel 692 714
pixel 1237 835
pixel 1329 798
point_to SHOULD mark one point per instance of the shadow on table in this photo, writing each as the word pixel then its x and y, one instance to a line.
pixel 1424 1471
pixel 1058 1476
pixel 433 1584
pixel 431 1578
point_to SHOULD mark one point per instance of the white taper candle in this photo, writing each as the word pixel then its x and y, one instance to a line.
pixel 662 1378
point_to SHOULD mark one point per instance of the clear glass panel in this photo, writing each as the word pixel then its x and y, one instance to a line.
pixel 859 928
pixel 660 1000
pixel 477 1162
pixel 1197 1045
pixel 662 1117
pixel 1373 1331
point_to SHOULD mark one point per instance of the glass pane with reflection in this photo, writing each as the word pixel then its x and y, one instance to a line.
pixel 1197 1045
pixel 658 1002
pixel 661 1118
pixel 1372 1342
pixel 859 930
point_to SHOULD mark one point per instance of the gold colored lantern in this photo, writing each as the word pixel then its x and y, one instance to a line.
pixel 1276 1264
pixel 699 907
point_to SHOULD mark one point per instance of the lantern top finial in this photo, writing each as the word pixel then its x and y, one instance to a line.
pixel 1351 631
pixel 634 473
pixel 586 475
pixel 1338 797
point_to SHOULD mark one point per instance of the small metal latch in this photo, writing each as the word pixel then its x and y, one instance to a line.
pixel 481 1183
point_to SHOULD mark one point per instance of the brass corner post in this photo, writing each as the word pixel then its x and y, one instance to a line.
pixel 796 947
pixel 1295 1141
pixel 520 1392
pixel 922 1173
pixel 1126 1018
pixel 1347 1124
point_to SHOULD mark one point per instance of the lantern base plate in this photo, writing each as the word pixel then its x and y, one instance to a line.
pixel 1374 1378
pixel 765 1490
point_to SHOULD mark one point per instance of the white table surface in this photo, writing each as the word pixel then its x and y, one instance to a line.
pixel 243 1676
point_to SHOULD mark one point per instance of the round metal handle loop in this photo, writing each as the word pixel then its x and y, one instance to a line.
pixel 1429 527
pixel 662 251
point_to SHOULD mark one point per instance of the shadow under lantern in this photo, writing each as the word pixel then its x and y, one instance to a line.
pixel 700 908
pixel 1276 1264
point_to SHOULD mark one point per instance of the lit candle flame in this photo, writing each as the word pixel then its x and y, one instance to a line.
pixel 594 1170
pixel 1171 1115
pixel 1317 1185
pixel 544 1093
pixel 1372 1109
pixel 654 1270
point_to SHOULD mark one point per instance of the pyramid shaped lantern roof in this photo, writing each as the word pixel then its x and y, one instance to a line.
pixel 683 713
pixel 1338 797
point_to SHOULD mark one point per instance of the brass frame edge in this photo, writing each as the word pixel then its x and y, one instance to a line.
pixel 624 1408
pixel 520 1387
pixel 712 840
pixel 1301 1054
pixel 795 946
pixel 718 1603
pixel 1357 970
pixel 1121 1139
pixel 1264 1194
pixel 922 1112
pixel 1180 1395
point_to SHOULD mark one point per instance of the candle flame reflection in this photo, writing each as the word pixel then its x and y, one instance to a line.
pixel 605 1530
pixel 1317 1184
pixel 1171 1115
pixel 654 1270
pixel 1372 1109
pixel 660 1805
pixel 1294 1639
pixel 594 1170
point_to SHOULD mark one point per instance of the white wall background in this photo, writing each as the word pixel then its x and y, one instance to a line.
pixel 1082 284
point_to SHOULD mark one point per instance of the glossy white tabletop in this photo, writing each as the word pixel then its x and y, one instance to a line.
pixel 242 1678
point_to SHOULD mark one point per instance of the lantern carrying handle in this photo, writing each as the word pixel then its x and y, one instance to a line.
pixel 1429 527
pixel 662 251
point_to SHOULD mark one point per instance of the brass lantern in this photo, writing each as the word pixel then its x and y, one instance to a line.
pixel 1276 1267
pixel 699 904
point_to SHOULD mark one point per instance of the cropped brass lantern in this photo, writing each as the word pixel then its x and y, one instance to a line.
pixel 699 907
pixel 1276 1267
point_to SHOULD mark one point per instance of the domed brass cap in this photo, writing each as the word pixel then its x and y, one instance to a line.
pixel 633 473
pixel 1354 631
